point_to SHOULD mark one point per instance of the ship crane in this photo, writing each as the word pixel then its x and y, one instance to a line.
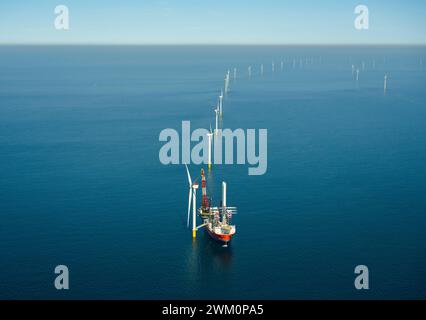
pixel 205 202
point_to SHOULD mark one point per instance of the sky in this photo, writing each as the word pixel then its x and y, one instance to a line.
pixel 213 22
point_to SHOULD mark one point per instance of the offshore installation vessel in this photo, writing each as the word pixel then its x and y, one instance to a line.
pixel 216 220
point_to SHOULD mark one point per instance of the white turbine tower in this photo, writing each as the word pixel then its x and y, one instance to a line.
pixel 249 72
pixel 357 75
pixel 210 136
pixel 261 69
pixel 224 195
pixel 235 74
pixel 273 66
pixel 216 111
pixel 227 82
pixel 227 77
pixel 193 186
pixel 221 103
pixel 385 86
pixel 282 66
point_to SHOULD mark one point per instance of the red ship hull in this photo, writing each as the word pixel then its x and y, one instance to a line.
pixel 224 238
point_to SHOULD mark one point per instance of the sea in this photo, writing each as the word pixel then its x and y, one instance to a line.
pixel 82 185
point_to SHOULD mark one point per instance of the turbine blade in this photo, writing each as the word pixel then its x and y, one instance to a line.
pixel 189 176
pixel 189 208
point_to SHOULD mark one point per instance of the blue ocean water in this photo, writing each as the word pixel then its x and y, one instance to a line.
pixel 81 183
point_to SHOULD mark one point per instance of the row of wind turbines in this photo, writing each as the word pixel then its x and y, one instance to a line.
pixel 292 63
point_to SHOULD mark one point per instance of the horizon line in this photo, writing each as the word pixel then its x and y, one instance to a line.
pixel 220 44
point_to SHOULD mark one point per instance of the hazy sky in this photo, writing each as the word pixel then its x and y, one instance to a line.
pixel 213 22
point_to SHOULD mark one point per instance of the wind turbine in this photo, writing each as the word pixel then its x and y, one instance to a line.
pixel 261 69
pixel 235 74
pixel 227 82
pixel 249 72
pixel 193 186
pixel 221 103
pixel 210 136
pixel 216 111
pixel 385 86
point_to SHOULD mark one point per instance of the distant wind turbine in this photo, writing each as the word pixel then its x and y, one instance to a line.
pixel 217 120
pixel 221 103
pixel 209 136
pixel 385 85
pixel 227 82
